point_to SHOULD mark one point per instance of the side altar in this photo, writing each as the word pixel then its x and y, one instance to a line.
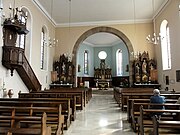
pixel 63 73
pixel 145 71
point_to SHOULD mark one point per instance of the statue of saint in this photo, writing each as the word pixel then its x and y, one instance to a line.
pixel 151 67
pixel 137 69
pixel 63 68
pixel 144 67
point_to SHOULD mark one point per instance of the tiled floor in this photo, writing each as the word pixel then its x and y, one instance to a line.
pixel 102 116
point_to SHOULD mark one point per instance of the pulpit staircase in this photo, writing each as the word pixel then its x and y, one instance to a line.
pixel 14 58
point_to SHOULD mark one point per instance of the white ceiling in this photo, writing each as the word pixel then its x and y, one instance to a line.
pixel 102 39
pixel 68 13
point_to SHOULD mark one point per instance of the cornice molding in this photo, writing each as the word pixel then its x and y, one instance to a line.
pixel 44 12
pixel 108 45
pixel 104 23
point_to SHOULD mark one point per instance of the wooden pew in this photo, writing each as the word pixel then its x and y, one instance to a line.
pixel 130 104
pixel 72 106
pixel 145 121
pixel 81 94
pixel 87 92
pixel 164 124
pixel 118 92
pixel 14 126
pixel 122 95
pixel 135 112
pixel 79 100
pixel 127 96
pixel 38 102
pixel 33 108
pixel 117 95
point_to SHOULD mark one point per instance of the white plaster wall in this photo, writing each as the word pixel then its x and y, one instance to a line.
pixel 38 21
pixel 171 14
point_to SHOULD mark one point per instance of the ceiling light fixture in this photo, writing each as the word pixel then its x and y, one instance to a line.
pixel 52 42
pixel 134 54
pixel 69 55
pixel 69 15
pixel 154 39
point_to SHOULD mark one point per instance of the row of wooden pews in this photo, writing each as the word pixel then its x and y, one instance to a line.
pixel 136 101
pixel 135 112
pixel 9 127
pixel 56 107
pixel 83 95
pixel 164 124
pixel 66 111
pixel 30 120
pixel 122 95
pixel 172 121
pixel 134 104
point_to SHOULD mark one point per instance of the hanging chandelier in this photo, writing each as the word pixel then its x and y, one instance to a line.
pixel 52 42
pixel 155 38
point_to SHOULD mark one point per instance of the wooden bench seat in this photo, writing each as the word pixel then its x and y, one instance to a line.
pixel 56 119
pixel 119 92
pixel 144 114
pixel 87 92
pixel 60 100
pixel 83 95
pixel 122 95
pixel 16 129
pixel 65 108
pixel 79 96
pixel 135 111
pixel 130 104
pixel 127 96
pixel 66 103
pixel 164 124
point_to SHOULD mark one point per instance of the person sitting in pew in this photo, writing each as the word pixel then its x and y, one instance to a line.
pixel 157 99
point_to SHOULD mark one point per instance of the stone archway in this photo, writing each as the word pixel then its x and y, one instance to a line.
pixel 108 30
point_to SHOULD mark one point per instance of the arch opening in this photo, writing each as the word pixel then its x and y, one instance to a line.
pixel 110 30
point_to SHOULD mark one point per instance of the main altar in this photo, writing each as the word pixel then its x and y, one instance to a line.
pixel 102 75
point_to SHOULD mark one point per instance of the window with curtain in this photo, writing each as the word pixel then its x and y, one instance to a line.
pixel 86 63
pixel 165 45
pixel 42 48
pixel 119 65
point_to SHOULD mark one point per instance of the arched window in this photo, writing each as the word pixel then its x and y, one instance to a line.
pixel 42 48
pixel 86 63
pixel 119 65
pixel 165 45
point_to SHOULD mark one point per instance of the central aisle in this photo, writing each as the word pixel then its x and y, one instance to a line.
pixel 101 116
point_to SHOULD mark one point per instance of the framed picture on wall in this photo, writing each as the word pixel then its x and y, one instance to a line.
pixel 177 75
